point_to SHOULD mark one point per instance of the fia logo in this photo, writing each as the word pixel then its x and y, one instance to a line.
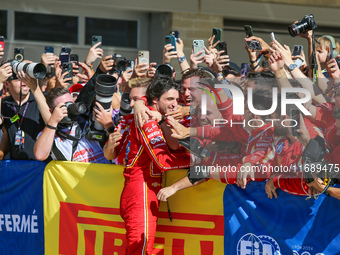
pixel 250 244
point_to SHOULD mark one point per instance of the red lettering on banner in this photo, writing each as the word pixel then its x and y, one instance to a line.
pixel 159 240
pixel 69 232
pixel 178 247
pixel 207 247
pixel 90 237
pixel 69 219
pixel 216 219
pixel 109 246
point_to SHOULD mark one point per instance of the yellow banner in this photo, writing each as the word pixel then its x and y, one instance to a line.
pixel 81 213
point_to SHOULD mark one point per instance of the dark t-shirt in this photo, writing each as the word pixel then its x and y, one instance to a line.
pixel 31 124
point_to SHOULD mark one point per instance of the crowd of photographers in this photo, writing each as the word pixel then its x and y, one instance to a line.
pixel 219 121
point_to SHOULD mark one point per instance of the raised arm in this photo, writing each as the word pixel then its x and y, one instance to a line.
pixel 43 145
pixel 38 95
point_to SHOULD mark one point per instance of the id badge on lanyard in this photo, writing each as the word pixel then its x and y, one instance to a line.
pixel 20 134
pixel 20 138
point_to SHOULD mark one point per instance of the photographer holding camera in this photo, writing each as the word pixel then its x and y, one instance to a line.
pixel 24 112
pixel 69 133
pixel 64 134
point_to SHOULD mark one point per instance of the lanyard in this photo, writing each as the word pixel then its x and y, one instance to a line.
pixel 16 116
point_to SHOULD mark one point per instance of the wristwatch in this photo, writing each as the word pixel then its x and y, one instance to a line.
pixel 110 129
pixel 291 67
pixel 181 59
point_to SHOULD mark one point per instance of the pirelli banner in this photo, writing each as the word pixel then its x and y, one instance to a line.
pixel 81 212
pixel 73 208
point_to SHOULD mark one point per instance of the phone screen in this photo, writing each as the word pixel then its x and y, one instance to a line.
pixel 2 44
pixel 64 58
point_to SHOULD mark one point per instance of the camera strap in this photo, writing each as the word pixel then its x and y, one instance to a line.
pixel 64 135
pixel 314 64
pixel 75 140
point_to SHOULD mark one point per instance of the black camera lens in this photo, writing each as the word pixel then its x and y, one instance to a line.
pixel 121 65
pixel 34 70
pixel 73 111
pixel 298 28
pixel 105 87
pixel 168 39
pixel 75 108
pixel 164 69
pixel 125 107
pixel 303 25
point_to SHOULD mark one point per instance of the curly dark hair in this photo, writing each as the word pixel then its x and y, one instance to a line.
pixel 159 86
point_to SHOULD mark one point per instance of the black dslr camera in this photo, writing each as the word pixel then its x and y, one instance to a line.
pixel 305 24
pixel 73 111
pixel 164 69
pixel 121 62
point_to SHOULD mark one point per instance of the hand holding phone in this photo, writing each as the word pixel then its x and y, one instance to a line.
pixel 97 39
pixel 68 67
pixel 199 46
pixel 217 32
pixel 297 51
pixel 144 57
pixel 272 36
pixel 170 39
pixel 64 58
pixel 223 46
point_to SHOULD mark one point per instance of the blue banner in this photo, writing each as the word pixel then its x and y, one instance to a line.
pixel 257 225
pixel 21 207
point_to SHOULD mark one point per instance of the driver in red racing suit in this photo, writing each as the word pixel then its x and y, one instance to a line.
pixel 139 203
